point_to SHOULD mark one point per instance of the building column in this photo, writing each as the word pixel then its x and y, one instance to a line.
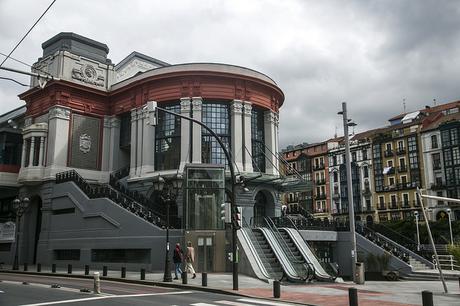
pixel 236 117
pixel 197 105
pixel 133 153
pixel 148 144
pixel 277 143
pixel 31 152
pixel 106 145
pixel 185 149
pixel 114 135
pixel 23 156
pixel 247 137
pixel 41 151
pixel 140 132
pixel 271 159
pixel 58 136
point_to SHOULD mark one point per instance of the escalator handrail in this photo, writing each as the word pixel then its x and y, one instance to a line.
pixel 321 274
pixel 301 269
pixel 253 240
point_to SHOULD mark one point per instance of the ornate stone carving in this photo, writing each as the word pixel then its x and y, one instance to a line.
pixel 197 103
pixel 133 115
pixel 107 122
pixel 247 108
pixel 59 112
pixel 87 74
pixel 185 104
pixel 132 68
pixel 237 106
pixel 270 117
pixel 85 143
pixel 27 121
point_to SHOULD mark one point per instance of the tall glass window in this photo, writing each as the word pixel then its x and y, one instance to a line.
pixel 258 140
pixel 167 139
pixel 217 117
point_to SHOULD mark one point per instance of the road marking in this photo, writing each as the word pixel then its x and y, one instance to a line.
pixel 265 302
pixel 233 303
pixel 2 291
pixel 203 304
pixel 107 297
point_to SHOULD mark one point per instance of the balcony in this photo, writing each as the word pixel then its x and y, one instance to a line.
pixel 393 205
pixel 388 153
pixel 366 192
pixel 436 166
pixel 381 206
pixel 320 182
pixel 390 171
pixel 318 166
pixel 368 209
pixel 321 196
pixel 320 211
pixel 401 151
pixel 402 169
pixel 336 196
pixel 437 186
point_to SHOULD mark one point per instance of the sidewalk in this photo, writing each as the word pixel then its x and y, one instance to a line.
pixel 322 294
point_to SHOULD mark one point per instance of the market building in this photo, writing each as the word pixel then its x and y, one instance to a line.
pixel 94 158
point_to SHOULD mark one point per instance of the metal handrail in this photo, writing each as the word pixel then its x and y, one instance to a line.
pixel 301 267
pixel 446 261
pixel 253 238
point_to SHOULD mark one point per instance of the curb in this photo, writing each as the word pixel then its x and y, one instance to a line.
pixel 156 283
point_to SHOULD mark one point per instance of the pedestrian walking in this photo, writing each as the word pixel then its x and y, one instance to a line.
pixel 190 259
pixel 177 259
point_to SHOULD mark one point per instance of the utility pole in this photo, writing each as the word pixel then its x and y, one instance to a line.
pixel 351 209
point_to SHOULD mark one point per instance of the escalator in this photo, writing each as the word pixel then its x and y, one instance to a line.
pixel 270 255
pixel 299 246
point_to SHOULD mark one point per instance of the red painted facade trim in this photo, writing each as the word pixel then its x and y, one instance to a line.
pixel 161 88
pixel 10 168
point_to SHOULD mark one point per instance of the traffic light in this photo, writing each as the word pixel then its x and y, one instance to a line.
pixel 225 212
pixel 237 221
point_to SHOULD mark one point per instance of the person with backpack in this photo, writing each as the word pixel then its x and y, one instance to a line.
pixel 177 259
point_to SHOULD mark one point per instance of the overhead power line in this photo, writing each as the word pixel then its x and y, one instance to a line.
pixel 17 45
pixel 13 80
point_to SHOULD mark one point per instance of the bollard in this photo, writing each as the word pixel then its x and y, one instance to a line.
pixel 86 270
pixel 123 272
pixel 26 267
pixel 97 283
pixel 53 268
pixel 353 296
pixel 427 298
pixel 142 274
pixel 184 278
pixel 69 269
pixel 276 289
pixel 39 267
pixel 104 271
pixel 204 279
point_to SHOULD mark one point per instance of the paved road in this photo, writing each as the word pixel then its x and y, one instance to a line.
pixel 39 292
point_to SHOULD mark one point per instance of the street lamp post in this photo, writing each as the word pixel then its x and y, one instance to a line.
pixel 418 233
pixel 19 206
pixel 153 108
pixel 450 226
pixel 167 198
pixel 351 210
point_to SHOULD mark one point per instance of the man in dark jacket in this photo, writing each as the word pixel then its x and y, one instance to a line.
pixel 177 259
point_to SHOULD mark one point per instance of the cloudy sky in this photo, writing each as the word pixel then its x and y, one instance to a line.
pixel 371 54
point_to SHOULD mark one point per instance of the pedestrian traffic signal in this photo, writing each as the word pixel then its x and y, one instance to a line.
pixel 225 212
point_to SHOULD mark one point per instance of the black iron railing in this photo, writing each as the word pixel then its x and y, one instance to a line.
pixel 128 200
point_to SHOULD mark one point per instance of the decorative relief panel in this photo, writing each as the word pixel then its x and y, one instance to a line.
pixel 85 142
pixel 132 68
pixel 87 73
pixel 59 112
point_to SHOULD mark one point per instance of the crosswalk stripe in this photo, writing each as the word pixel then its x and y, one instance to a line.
pixel 233 303
pixel 202 304
pixel 264 302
